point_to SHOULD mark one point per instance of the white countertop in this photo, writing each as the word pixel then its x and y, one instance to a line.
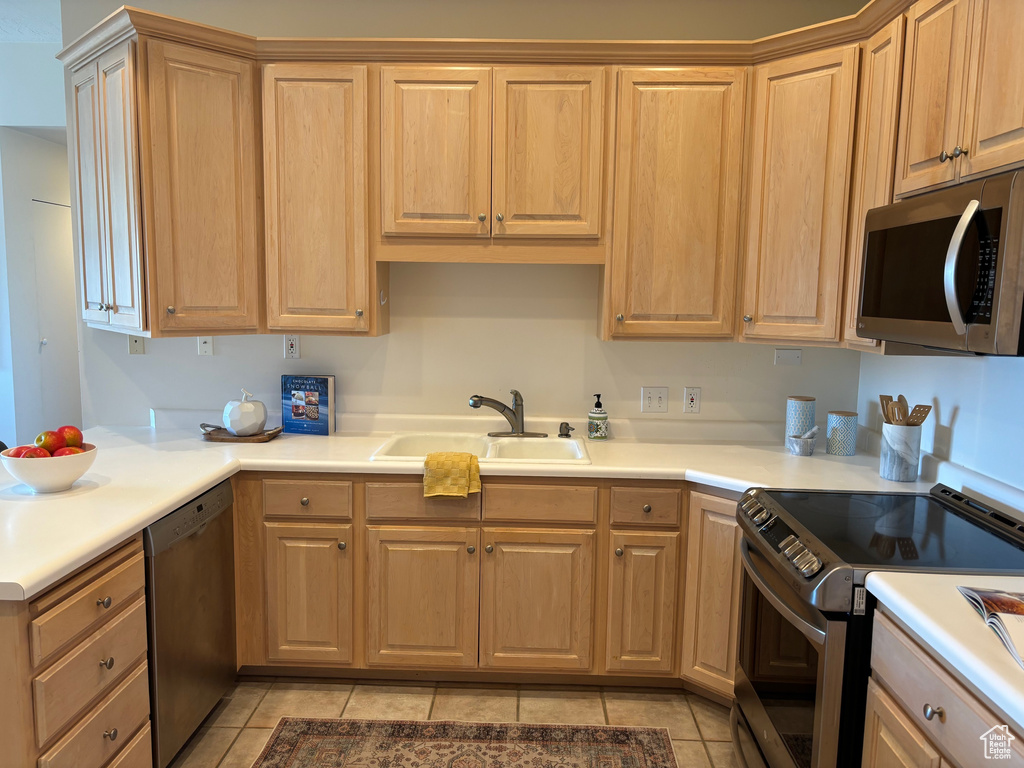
pixel 141 474
pixel 931 609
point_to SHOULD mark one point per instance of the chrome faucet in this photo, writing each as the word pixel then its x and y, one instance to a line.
pixel 513 415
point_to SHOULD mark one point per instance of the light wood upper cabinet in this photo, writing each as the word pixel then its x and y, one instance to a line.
pixel 436 150
pixel 200 174
pixel 309 592
pixel 314 171
pixel 422 587
pixel 891 740
pixel 711 605
pixel 874 155
pixel 796 207
pixel 679 156
pixel 537 599
pixel 548 151
pixel 642 599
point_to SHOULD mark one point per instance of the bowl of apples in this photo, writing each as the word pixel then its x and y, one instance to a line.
pixel 58 458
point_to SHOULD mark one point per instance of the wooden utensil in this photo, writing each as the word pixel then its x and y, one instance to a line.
pixel 885 400
pixel 897 415
pixel 903 403
pixel 918 415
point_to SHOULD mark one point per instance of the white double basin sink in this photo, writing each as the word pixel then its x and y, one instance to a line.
pixel 415 446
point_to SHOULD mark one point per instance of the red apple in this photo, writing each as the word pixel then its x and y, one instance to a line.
pixel 72 435
pixel 69 451
pixel 51 441
pixel 17 453
pixel 36 453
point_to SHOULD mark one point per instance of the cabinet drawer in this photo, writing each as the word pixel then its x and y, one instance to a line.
pixel 916 679
pixel 85 607
pixel 299 498
pixel 404 501
pixel 645 506
pixel 138 753
pixel 540 503
pixel 64 689
pixel 125 710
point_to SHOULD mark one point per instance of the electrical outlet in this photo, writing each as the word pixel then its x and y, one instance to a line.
pixel 136 345
pixel 205 345
pixel 787 356
pixel 691 399
pixel 291 348
pixel 653 399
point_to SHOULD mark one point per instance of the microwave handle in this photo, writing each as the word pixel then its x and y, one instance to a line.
pixel 949 275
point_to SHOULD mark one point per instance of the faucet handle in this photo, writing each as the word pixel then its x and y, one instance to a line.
pixel 564 429
pixel 516 397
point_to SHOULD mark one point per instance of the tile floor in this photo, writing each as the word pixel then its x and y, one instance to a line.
pixel 237 730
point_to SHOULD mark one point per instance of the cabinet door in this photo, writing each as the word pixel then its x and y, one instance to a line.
pixel 548 151
pixel 677 201
pixel 201 158
pixel 994 118
pixel 711 606
pixel 874 156
pixel 891 740
pixel 422 596
pixel 537 599
pixel 122 223
pixel 309 592
pixel 436 151
pixel 86 162
pixel 934 69
pixel 642 598
pixel 314 172
pixel 796 215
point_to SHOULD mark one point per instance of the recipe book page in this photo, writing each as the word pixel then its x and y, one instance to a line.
pixel 1004 612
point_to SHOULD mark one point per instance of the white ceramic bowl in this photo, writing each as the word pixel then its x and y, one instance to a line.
pixel 57 473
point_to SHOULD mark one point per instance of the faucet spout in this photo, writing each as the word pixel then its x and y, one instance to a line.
pixel 514 415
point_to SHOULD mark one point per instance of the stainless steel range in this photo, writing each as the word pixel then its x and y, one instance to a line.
pixel 805 641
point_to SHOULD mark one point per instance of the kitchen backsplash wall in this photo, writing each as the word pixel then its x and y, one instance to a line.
pixel 977 419
pixel 459 330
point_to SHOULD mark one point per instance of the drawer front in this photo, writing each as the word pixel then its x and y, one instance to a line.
pixel 646 506
pixel 916 679
pixel 305 498
pixel 92 604
pixel 89 744
pixel 64 689
pixel 138 753
pixel 540 503
pixel 404 501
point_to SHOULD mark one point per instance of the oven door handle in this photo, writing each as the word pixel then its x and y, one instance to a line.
pixel 815 635
pixel 949 273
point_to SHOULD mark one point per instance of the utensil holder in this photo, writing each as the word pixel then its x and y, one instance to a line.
pixel 799 414
pixel 901 453
pixel 841 433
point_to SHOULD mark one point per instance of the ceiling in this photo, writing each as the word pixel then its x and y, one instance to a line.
pixel 30 21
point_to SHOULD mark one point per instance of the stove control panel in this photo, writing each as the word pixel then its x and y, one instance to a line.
pixel 773 529
pixel 802 558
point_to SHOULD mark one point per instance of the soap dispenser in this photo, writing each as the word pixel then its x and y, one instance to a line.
pixel 597 422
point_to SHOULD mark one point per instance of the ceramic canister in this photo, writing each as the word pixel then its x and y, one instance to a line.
pixel 799 414
pixel 841 433
pixel 901 452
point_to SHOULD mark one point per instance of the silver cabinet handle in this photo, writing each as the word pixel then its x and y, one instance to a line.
pixel 647 508
pixel 471 549
pixel 958 150
pixel 949 272
pixel 304 501
pixel 359 313
pixel 488 549
pixel 482 217
pixel 111 734
pixel 342 545
pixel 620 317
pixel 170 310
pixel 383 299
pixel 944 156
pixel 108 663
pixel 104 601
pixel 748 319
pixel 931 712
pixel 499 217
pixel 618 552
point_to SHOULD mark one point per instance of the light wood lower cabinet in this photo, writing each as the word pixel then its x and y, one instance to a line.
pixel 422 587
pixel 642 597
pixel 537 599
pixel 891 740
pixel 309 592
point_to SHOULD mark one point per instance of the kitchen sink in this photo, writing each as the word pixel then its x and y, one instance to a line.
pixel 415 446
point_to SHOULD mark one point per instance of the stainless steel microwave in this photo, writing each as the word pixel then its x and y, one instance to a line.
pixel 945 269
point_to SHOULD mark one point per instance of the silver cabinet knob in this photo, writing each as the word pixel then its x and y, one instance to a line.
pixel 359 313
pixel 488 549
pixel 111 734
pixel 499 217
pixel 104 601
pixel 170 310
pixel 618 552
pixel 108 663
pixel 620 317
pixel 482 217
pixel 958 150
pixel 647 508
pixel 471 549
pixel 931 712
pixel 943 156
pixel 342 545
pixel 304 501
pixel 748 319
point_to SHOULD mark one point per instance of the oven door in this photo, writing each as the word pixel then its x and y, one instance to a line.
pixel 789 676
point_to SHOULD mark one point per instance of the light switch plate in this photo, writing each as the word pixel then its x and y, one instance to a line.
pixel 653 399
pixel 205 345
pixel 136 345
pixel 787 356
pixel 291 348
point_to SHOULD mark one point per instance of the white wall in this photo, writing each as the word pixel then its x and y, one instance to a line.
pixel 31 84
pixel 977 418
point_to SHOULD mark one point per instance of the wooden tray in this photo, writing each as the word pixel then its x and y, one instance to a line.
pixel 221 435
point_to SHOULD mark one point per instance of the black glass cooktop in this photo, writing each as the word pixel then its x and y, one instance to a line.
pixel 905 531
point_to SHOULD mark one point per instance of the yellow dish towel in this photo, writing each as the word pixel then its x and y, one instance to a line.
pixel 451 473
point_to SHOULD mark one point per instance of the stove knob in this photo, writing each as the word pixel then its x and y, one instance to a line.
pixel 761 516
pixel 803 560
pixel 811 568
pixel 791 539
pixel 794 549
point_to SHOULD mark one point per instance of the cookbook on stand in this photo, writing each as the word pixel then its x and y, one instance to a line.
pixel 307 405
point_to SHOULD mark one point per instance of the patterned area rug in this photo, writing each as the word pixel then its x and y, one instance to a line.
pixel 309 743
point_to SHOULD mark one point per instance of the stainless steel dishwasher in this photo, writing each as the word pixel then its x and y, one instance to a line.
pixel 190 605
